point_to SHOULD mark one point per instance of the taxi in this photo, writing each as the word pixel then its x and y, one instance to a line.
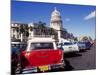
pixel 41 55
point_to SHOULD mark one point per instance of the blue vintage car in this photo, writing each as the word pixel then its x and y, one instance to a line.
pixel 16 47
pixel 84 45
pixel 81 45
pixel 88 45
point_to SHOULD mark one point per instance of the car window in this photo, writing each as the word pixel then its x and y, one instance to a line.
pixel 35 46
pixel 67 43
pixel 60 44
pixel 74 42
pixel 15 45
pixel 14 49
pixel 23 46
pixel 19 46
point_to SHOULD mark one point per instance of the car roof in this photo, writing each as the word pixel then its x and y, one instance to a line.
pixel 18 43
pixel 39 39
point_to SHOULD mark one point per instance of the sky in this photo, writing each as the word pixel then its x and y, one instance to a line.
pixel 77 19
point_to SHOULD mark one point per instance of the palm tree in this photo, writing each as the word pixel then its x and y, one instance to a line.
pixel 17 30
pixel 31 28
pixel 75 39
pixel 26 33
pixel 42 28
pixel 51 32
pixel 22 30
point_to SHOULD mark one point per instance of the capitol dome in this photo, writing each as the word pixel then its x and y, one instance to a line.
pixel 56 22
pixel 55 16
pixel 55 12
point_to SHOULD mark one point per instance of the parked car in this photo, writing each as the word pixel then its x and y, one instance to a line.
pixel 19 45
pixel 84 45
pixel 15 51
pixel 81 45
pixel 69 47
pixel 14 58
pixel 88 45
pixel 41 55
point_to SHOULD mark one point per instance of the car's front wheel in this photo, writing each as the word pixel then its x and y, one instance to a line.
pixel 19 68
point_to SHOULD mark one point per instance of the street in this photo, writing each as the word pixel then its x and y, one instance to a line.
pixel 84 60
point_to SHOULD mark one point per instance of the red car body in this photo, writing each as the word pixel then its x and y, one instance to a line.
pixel 42 58
pixel 37 58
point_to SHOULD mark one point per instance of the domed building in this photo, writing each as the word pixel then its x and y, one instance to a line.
pixel 39 29
pixel 56 24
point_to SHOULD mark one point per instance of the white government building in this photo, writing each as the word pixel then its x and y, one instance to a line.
pixel 55 23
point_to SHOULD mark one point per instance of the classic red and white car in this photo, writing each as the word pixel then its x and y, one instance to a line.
pixel 41 55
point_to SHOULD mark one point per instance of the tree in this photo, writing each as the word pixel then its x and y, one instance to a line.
pixel 17 29
pixel 51 31
pixel 31 28
pixel 42 27
pixel 26 33
pixel 22 30
pixel 75 39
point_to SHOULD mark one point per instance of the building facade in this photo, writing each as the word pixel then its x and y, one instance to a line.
pixel 23 31
pixel 56 22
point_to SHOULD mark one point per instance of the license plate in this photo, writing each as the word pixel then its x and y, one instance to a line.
pixel 44 68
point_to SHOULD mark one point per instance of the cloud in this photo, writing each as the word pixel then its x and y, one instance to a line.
pixel 67 19
pixel 90 16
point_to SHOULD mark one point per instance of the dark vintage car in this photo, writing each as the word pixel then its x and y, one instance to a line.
pixel 16 48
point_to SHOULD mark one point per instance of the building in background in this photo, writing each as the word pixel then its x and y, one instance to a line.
pixel 56 22
pixel 18 31
pixel 23 32
pixel 85 38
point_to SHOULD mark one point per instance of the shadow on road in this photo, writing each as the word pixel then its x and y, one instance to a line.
pixel 67 67
pixel 81 51
pixel 70 55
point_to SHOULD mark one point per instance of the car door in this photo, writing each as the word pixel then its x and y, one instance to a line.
pixel 68 47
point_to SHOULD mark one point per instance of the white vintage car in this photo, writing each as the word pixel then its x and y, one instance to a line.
pixel 69 47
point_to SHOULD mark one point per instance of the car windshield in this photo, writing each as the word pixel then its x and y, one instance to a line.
pixel 18 46
pixel 81 42
pixel 67 43
pixel 36 46
pixel 15 45
pixel 60 44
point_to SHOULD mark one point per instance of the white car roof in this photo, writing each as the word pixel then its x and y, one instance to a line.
pixel 39 39
pixel 64 40
pixel 15 43
pixel 18 43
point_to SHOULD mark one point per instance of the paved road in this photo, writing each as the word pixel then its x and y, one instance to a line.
pixel 83 60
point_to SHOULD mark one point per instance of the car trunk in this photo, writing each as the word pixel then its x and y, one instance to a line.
pixel 42 57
